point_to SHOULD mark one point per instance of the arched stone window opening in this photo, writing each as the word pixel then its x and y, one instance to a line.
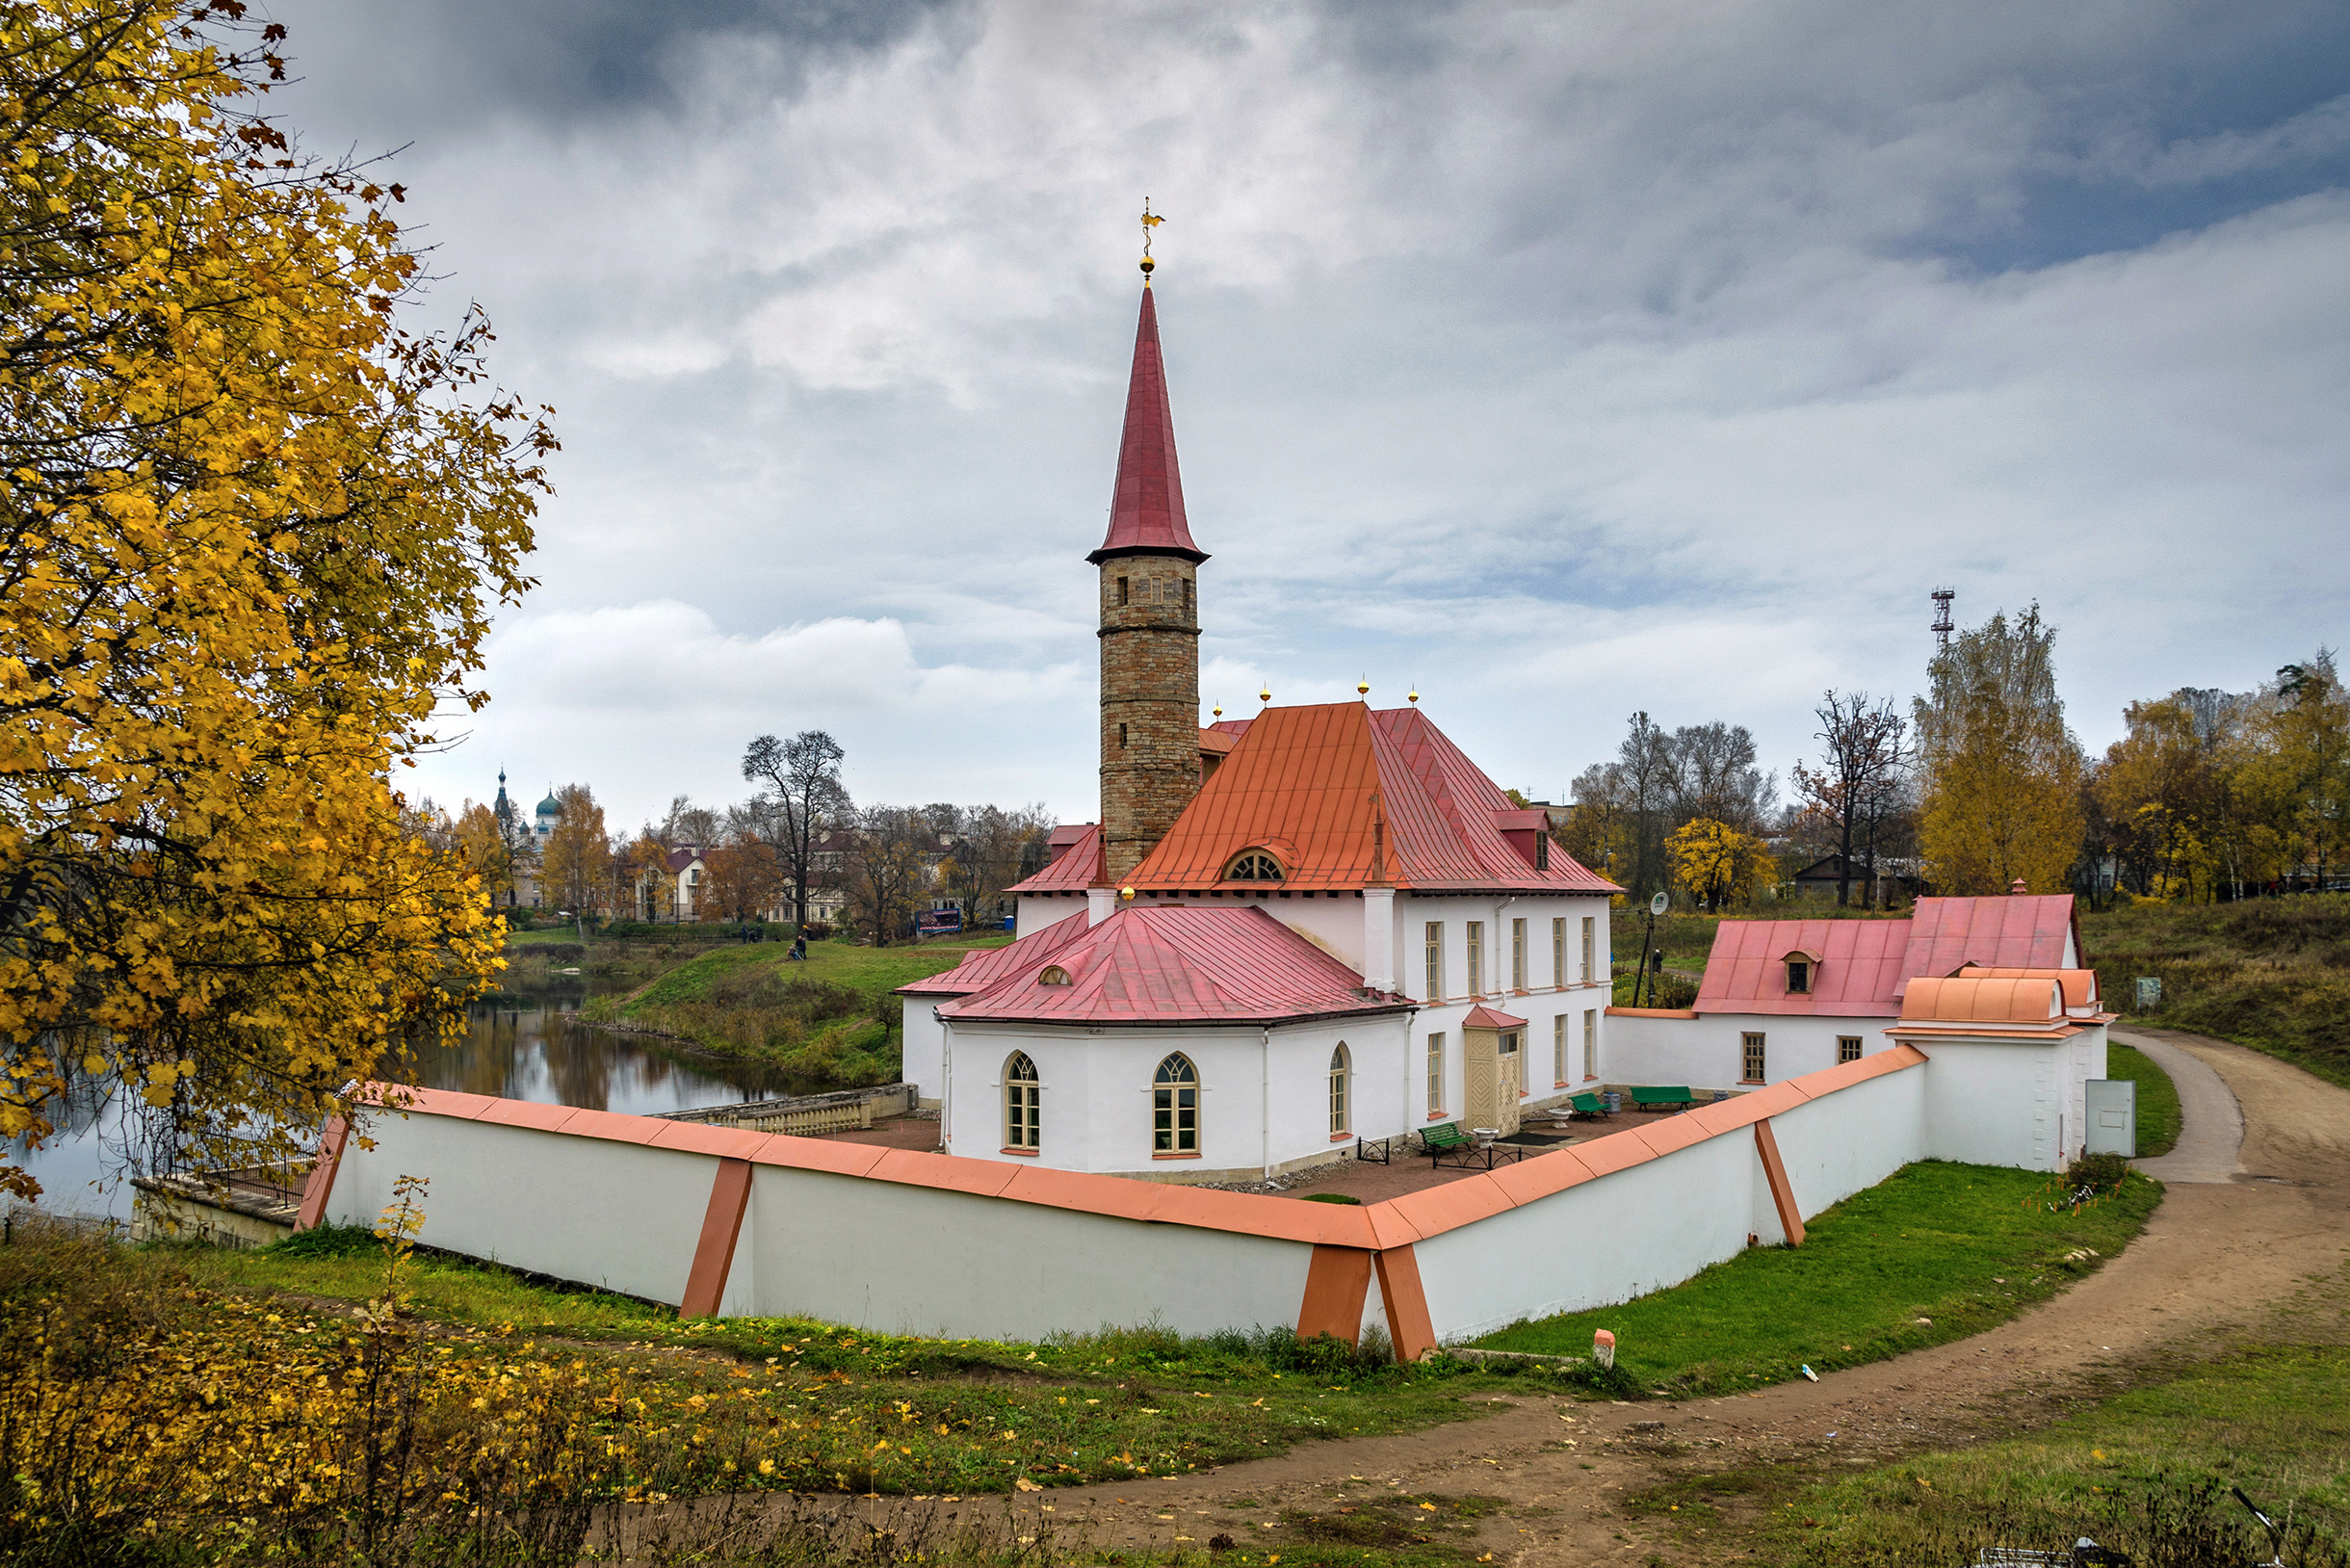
pixel 1175 1107
pixel 1340 1081
pixel 1023 1104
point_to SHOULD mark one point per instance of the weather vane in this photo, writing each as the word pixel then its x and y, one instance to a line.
pixel 1150 221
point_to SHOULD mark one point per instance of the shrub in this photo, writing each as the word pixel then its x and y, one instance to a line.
pixel 2099 1172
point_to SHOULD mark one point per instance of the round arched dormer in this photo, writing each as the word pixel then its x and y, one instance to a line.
pixel 1253 866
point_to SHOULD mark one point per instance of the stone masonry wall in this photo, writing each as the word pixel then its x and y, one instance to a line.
pixel 1150 703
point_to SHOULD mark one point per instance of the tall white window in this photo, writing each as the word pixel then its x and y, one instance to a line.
pixel 1558 951
pixel 1175 1107
pixel 1436 962
pixel 1436 1075
pixel 1591 937
pixel 1591 1043
pixel 1517 954
pixel 1558 1050
pixel 1477 957
pixel 1023 1108
pixel 1338 1092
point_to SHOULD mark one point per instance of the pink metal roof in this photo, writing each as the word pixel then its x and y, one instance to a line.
pixel 2018 931
pixel 1074 869
pixel 1176 964
pixel 982 967
pixel 1865 966
pixel 1146 515
pixel 1481 1016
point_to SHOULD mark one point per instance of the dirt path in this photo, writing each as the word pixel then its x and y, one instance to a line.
pixel 2215 1257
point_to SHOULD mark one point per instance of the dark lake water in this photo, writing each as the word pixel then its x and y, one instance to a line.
pixel 529 1044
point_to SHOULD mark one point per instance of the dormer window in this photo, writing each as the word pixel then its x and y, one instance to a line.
pixel 1802 972
pixel 1052 975
pixel 1253 866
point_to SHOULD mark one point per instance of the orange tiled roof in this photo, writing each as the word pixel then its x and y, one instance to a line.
pixel 1300 783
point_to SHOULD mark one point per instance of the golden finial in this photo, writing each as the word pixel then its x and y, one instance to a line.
pixel 1217 710
pixel 1362 688
pixel 1126 892
pixel 1265 695
pixel 1150 221
pixel 1413 695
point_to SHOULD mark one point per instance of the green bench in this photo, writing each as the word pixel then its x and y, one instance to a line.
pixel 1662 1097
pixel 1590 1105
pixel 1446 1141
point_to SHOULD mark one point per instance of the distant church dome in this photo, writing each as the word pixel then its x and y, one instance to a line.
pixel 550 806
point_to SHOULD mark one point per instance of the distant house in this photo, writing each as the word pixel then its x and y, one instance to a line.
pixel 1896 879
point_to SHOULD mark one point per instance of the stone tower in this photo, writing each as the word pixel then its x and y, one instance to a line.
pixel 1150 624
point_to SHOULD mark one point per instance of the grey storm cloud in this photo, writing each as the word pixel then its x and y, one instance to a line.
pixel 1562 361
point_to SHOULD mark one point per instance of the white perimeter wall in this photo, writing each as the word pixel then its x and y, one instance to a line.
pixel 1656 1223
pixel 921 1259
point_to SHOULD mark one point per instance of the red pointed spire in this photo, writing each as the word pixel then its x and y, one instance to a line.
pixel 1146 509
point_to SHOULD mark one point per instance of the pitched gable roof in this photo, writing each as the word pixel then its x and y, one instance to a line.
pixel 1329 787
pixel 1865 966
pixel 1177 964
pixel 1075 868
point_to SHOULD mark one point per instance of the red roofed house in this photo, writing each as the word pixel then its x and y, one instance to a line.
pixel 1781 998
pixel 1283 933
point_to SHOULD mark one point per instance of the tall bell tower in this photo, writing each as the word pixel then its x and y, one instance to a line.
pixel 1150 619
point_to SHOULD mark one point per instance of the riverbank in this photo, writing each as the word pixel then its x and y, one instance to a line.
pixel 829 1022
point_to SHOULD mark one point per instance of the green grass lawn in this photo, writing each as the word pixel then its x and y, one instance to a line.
pixel 910 1414
pixel 1965 1247
pixel 2273 974
pixel 2158 1117
pixel 2147 1470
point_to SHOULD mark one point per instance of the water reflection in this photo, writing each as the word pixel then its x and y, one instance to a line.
pixel 526 1043
pixel 529 1044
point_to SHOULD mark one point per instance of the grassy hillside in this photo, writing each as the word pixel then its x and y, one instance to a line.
pixel 827 1023
pixel 2273 974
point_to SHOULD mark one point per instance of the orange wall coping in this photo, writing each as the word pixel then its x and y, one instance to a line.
pixel 1651 1012
pixel 1375 1227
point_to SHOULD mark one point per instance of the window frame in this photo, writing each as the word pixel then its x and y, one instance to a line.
pixel 1255 854
pixel 1476 957
pixel 1591 1045
pixel 1754 1062
pixel 1436 1073
pixel 1591 927
pixel 1799 977
pixel 1342 1092
pixel 1124 593
pixel 1558 951
pixel 1517 953
pixel 1847 1049
pixel 1559 1052
pixel 1175 1109
pixel 1023 1133
pixel 1435 953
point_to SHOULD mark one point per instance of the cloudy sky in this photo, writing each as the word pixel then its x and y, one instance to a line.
pixel 1561 359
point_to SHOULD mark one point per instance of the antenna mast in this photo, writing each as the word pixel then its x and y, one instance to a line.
pixel 1941 619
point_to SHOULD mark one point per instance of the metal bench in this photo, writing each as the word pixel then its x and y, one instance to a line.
pixel 1662 1097
pixel 1590 1105
pixel 1446 1141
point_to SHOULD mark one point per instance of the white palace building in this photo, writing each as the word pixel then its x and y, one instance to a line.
pixel 1326 924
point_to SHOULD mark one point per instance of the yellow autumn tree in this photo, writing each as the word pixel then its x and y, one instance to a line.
pixel 252 534
pixel 2002 772
pixel 1717 864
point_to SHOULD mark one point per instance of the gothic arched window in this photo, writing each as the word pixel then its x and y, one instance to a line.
pixel 1253 866
pixel 1339 1076
pixel 1175 1107
pixel 1023 1108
